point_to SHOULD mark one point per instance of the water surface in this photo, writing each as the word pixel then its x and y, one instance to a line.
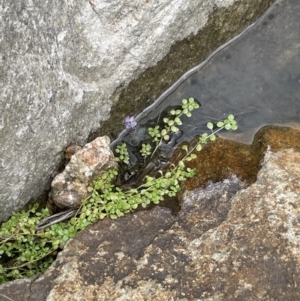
pixel 256 77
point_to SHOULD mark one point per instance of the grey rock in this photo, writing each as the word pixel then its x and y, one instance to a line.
pixel 60 64
pixel 228 242
pixel 69 188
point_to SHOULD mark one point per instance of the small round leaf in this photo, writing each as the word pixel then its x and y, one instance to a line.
pixel 212 137
pixel 210 125
pixel 199 147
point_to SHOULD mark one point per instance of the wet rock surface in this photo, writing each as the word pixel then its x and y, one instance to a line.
pixel 222 158
pixel 230 241
pixel 69 188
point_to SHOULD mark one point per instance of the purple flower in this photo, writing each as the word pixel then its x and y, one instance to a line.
pixel 130 122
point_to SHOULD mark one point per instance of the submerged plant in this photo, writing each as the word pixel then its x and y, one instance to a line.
pixel 171 123
pixel 24 251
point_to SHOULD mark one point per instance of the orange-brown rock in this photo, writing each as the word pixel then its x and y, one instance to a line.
pixel 223 158
pixel 69 188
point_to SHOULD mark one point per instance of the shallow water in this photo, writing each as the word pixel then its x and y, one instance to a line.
pixel 256 77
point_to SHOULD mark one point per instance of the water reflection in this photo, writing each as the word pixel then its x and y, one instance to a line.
pixel 256 77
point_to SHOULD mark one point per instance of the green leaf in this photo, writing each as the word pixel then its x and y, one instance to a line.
pixel 185 147
pixel 181 164
pixel 163 132
pixel 212 137
pixel 168 174
pixel 177 120
pixel 228 126
pixel 199 147
pixel 220 124
pixel 171 122
pixel 134 206
pixel 196 105
pixel 102 215
pixel 210 125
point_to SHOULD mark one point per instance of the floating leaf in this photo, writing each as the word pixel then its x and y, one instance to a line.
pixel 210 125
pixel 177 119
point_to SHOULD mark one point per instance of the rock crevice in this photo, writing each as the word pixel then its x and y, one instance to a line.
pixel 60 65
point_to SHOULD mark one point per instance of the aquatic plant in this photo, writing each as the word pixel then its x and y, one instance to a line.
pixel 25 251
pixel 122 154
